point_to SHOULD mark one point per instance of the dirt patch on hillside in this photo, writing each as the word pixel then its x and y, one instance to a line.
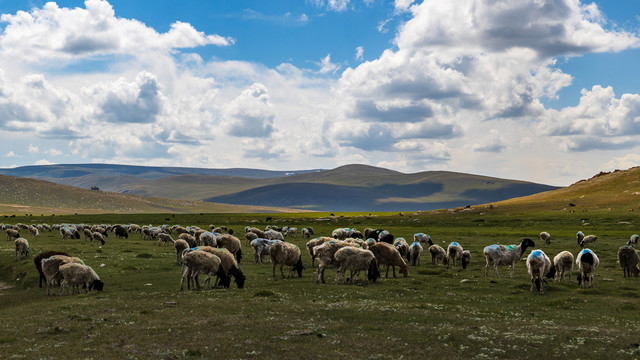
pixel 4 286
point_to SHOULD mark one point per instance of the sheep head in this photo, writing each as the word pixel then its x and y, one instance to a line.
pixel 552 271
pixel 404 270
pixel 466 259
pixel 299 267
pixel 373 273
pixel 238 277
pixel 96 284
pixel 525 243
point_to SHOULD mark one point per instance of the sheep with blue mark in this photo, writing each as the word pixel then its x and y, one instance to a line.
pixel 164 239
pixel 356 259
pixel 208 238
pixel 385 237
pixel 585 240
pixel 562 264
pixel 538 265
pixel 454 254
pixel 587 262
pixel 438 254
pixel 401 245
pixel 286 254
pixel 415 250
pixel 501 255
pixel 628 260
pixel 423 238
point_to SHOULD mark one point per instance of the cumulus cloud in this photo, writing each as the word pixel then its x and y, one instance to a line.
pixel 72 34
pixel 251 114
pixel 359 53
pixel 326 66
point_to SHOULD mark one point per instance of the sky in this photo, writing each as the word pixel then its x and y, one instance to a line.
pixel 537 90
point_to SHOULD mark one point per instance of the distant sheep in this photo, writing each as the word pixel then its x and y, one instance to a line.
pixel 422 238
pixel 415 250
pixel 22 248
pixel 283 253
pixel 466 259
pixel 307 232
pixel 584 240
pixel 121 232
pixel 438 254
pixel 97 236
pixel 273 235
pixel 587 262
pixel 355 259
pixel 385 237
pixel 562 264
pixel 501 255
pixel 628 259
pixel 88 235
pixel 74 274
pixel 34 231
pixel 388 255
pixel 538 265
pixel 633 240
pixel 180 246
pixel 545 237
pixel 12 234
pixel 164 239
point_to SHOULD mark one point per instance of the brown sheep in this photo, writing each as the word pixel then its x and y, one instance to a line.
pixel 232 244
pixel 284 253
pixel 387 255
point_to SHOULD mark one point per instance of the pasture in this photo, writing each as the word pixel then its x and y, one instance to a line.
pixel 433 313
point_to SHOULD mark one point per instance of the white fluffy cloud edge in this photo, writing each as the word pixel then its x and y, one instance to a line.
pixel 462 89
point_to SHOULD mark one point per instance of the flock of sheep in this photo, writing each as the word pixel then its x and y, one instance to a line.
pixel 214 252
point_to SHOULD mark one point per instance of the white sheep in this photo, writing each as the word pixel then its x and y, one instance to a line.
pixel 401 245
pixel 633 240
pixel 587 262
pixel 284 253
pixel 97 236
pixel 501 255
pixel 180 246
pixel 415 250
pixel 628 259
pixel 325 252
pixel 199 262
pixel 261 248
pixel 34 231
pixel 51 267
pixel 562 264
pixel 355 259
pixel 273 235
pixel 538 265
pixel 545 237
pixel 454 254
pixel 12 234
pixel 22 248
pixel 584 240
pixel 208 239
pixel 423 238
pixel 438 253
pixel 165 239
pixel 315 242
pixel 74 274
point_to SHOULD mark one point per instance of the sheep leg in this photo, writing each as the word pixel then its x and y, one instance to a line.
pixel 393 267
pixel 281 271
pixel 387 273
pixel 274 270
pixel 184 275
pixel 339 274
pixel 512 267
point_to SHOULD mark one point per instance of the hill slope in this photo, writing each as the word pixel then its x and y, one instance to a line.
pixel 24 195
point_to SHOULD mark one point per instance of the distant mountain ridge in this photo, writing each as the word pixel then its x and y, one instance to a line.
pixel 346 188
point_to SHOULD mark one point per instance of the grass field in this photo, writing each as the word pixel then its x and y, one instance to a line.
pixel 434 313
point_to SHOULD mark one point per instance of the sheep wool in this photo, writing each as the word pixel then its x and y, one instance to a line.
pixel 355 259
pixel 74 274
pixel 538 265
pixel 387 255
pixel 628 259
pixel 501 255
pixel 22 248
pixel 283 253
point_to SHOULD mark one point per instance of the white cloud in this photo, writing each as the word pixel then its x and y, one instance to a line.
pixel 33 149
pixel 43 162
pixel 11 154
pixel 326 66
pixel 53 152
pixel 403 5
pixel 360 53
pixel 251 114
pixel 332 5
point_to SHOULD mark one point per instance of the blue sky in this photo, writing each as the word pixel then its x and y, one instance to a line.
pixel 539 90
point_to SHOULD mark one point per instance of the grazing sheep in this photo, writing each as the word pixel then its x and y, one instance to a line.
pixel 250 236
pixel 261 248
pixel 545 237
pixel 188 238
pixel 401 245
pixel 587 262
pixel 88 236
pixel 356 259
pixel 34 231
pixel 315 242
pixel 466 259
pixel 633 240
pixel 423 238
pixel 74 274
pixel 12 234
pixel 388 255
pixel 562 263
pixel 51 266
pixel 325 254
pixel 538 265
pixel 501 255
pixel 22 248
pixel 438 253
pixel 37 261
pixel 199 262
pixel 256 231
pixel 121 232
pixel 229 266
pixel 385 237
pixel 584 240
pixel 415 250
pixel 165 239
pixel 180 246
pixel 628 259
pixel 273 235
pixel 307 232
pixel 292 231
pixel 97 236
pixel 283 253
pixel 454 254
pixel 232 244
pixel 208 239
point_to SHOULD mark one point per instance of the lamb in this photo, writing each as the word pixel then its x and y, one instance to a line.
pixel 356 259
pixel 628 259
pixel 423 238
pixel 232 244
pixel 315 242
pixel 415 250
pixel 584 240
pixel 74 274
pixel 587 262
pixel 544 236
pixel 454 254
pixel 180 246
pixel 538 265
pixel 199 262
pixel 562 263
pixel 51 266
pixel 164 239
pixel 325 254
pixel 12 234
pixel 401 245
pixel 229 266
pixel 388 255
pixel 633 240
pixel 97 236
pixel 283 253
pixel 438 253
pixel 22 248
pixel 37 261
pixel 260 248
pixel 505 255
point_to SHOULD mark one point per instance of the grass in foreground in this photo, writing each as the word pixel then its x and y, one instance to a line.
pixel 434 313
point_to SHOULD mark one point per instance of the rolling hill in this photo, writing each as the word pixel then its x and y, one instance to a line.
pixel 32 196
pixel 346 188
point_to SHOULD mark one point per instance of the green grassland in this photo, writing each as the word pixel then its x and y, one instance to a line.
pixel 434 313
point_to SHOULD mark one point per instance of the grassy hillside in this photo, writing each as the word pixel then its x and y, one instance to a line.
pixel 24 195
